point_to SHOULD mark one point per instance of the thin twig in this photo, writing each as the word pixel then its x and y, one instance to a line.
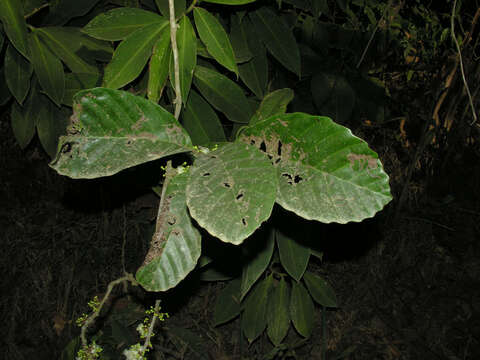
pixel 176 66
pixel 452 25
pixel 34 11
pixel 146 344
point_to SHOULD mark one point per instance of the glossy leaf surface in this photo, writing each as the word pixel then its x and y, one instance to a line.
pixel 274 103
pixel 187 57
pixel 131 56
pixel 254 73
pixel 173 255
pixel 277 37
pixel 302 310
pixel 254 318
pixel 258 260
pixel 201 121
pixel 158 68
pixel 320 290
pixel 14 25
pixel 325 173
pixel 111 130
pixel 118 23
pixel 278 314
pixel 66 42
pixel 48 69
pixel 226 194
pixel 227 305
pixel 225 95
pixel 215 38
pixel 18 72
pixel 293 255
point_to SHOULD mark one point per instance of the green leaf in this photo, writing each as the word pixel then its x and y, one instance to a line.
pixel 325 173
pixel 227 305
pixel 158 69
pixel 259 261
pixel 187 57
pixel 215 38
pixel 230 2
pixel 238 38
pixel 333 96
pixel 277 37
pixel 302 311
pixel 118 23
pixel 225 95
pixel 254 318
pixel 48 69
pixel 175 253
pixel 254 73
pixel 64 10
pixel 18 72
pixel 179 5
pixel 23 122
pixel 320 290
pixel 51 123
pixel 236 180
pixel 5 94
pixel 131 55
pixel 65 42
pixel 201 121
pixel 293 255
pixel 274 103
pixel 111 130
pixel 74 82
pixel 278 313
pixel 14 25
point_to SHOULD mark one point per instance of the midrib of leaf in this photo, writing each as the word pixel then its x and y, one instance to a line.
pixel 221 95
pixel 132 58
pixel 73 57
pixel 212 36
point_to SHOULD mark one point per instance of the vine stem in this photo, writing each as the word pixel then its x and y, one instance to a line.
pixel 173 39
pixel 452 26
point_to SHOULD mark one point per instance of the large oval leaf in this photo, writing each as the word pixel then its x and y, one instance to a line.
pixel 118 23
pixel 14 25
pixel 293 255
pixel 320 290
pixel 231 191
pixel 325 173
pixel 302 310
pixel 18 72
pixel 48 69
pixel 187 57
pixel 201 121
pixel 223 94
pixel 131 56
pixel 111 130
pixel 176 245
pixel 254 73
pixel 254 318
pixel 278 314
pixel 65 42
pixel 277 37
pixel 215 38
pixel 259 260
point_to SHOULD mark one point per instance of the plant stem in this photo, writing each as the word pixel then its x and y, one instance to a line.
pixel 173 39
